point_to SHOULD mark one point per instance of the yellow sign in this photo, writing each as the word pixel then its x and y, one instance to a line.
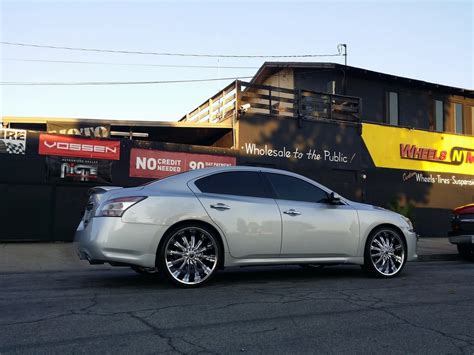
pixel 409 149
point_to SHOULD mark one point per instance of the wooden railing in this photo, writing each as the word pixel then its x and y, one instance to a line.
pixel 217 109
pixel 243 97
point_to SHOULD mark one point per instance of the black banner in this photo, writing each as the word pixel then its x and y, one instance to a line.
pixel 79 170
pixel 93 129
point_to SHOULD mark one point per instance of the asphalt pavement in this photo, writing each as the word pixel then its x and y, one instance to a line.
pixel 429 309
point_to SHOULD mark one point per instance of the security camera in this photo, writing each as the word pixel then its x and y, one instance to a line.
pixel 244 108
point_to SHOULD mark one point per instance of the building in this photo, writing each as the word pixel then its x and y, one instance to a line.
pixel 395 142
pixel 387 99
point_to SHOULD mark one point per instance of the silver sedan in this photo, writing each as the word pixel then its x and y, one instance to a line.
pixel 190 225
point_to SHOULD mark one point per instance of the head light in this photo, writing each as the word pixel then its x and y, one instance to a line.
pixel 408 222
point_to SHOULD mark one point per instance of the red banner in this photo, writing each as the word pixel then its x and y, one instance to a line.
pixel 78 147
pixel 158 164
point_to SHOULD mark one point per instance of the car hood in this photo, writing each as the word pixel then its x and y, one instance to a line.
pixel 365 206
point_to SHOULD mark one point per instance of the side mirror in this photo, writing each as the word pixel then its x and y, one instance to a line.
pixel 333 200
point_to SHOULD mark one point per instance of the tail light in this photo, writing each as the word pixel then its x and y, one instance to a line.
pixel 117 206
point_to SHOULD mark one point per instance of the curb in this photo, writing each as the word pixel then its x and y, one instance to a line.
pixel 439 257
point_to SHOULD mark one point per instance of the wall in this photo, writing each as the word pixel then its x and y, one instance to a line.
pixel 429 187
pixel 37 207
pixel 416 106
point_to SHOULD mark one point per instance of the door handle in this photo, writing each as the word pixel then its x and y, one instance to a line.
pixel 220 207
pixel 292 212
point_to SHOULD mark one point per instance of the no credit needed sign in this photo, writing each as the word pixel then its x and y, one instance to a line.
pixel 157 164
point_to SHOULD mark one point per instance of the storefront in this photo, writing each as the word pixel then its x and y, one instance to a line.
pixel 47 169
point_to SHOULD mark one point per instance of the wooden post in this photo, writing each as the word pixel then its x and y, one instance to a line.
pixel 235 130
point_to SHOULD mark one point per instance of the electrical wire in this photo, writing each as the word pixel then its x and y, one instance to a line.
pixel 79 83
pixel 127 64
pixel 169 54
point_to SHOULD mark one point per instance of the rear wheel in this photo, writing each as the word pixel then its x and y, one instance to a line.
pixel 190 255
pixel 466 251
pixel 385 253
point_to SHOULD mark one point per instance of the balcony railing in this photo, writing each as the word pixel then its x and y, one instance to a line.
pixel 241 97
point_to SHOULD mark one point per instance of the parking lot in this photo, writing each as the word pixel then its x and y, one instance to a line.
pixel 430 308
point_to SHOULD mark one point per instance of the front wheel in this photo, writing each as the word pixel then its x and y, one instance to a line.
pixel 385 253
pixel 190 255
pixel 466 251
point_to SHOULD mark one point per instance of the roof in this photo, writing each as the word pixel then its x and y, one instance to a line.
pixel 270 68
pixel 112 122
pixel 201 133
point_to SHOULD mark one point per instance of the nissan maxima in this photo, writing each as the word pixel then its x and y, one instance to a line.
pixel 190 225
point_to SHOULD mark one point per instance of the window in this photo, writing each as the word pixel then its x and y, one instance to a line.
pixel 439 115
pixel 392 108
pixel 472 120
pixel 458 119
pixel 331 87
pixel 241 183
pixel 291 188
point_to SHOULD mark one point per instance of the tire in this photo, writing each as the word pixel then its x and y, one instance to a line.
pixel 466 251
pixel 149 271
pixel 190 255
pixel 385 253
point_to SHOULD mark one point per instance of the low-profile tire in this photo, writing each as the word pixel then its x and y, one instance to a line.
pixel 466 251
pixel 149 271
pixel 190 255
pixel 385 253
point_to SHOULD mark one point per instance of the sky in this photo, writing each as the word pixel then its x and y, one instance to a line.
pixel 425 40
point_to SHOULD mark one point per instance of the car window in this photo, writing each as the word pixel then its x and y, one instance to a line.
pixel 291 188
pixel 241 183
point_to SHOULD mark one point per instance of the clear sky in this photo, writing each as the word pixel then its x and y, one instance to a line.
pixel 426 40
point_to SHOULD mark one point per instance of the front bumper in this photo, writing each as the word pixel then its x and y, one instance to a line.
pixel 412 240
pixel 461 237
pixel 108 239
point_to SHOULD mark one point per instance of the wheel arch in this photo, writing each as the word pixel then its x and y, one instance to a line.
pixel 196 222
pixel 386 225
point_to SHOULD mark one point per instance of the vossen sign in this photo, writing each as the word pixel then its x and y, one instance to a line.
pixel 78 147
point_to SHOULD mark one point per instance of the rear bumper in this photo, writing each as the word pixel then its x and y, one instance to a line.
pixel 109 240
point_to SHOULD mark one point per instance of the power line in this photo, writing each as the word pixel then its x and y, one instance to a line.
pixel 79 83
pixel 127 64
pixel 169 54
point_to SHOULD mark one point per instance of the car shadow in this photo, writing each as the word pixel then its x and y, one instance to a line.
pixel 124 278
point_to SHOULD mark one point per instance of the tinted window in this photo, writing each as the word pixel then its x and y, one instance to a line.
pixel 291 188
pixel 241 183
pixel 458 118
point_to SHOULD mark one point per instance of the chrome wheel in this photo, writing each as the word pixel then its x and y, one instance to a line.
pixel 191 255
pixel 387 252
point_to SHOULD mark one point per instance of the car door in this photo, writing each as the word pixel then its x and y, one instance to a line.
pixel 239 203
pixel 311 226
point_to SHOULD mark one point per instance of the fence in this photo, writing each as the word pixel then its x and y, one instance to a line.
pixel 240 97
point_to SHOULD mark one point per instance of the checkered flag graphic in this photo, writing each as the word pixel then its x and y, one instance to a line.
pixel 15 148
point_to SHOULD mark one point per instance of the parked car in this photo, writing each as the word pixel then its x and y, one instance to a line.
pixel 192 224
pixel 462 233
